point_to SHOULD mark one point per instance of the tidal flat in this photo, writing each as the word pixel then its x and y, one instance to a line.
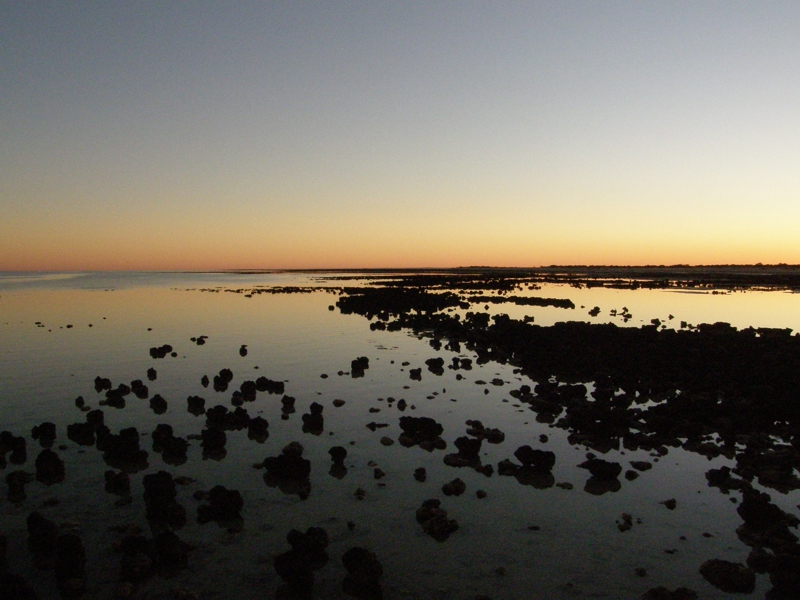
pixel 473 433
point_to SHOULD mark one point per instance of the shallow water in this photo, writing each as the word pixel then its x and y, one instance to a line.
pixel 576 551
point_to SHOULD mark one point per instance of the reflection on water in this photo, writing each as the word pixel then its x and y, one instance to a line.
pixel 308 434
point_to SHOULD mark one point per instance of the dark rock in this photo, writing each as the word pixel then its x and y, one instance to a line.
pixel 118 483
pixel 14 444
pixel 257 429
pixel 122 450
pixel 601 469
pixel 204 381
pixel 467 447
pixel 49 467
pixel 219 417
pixel 338 454
pixel 722 479
pixel 160 496
pixel 70 566
pixel 15 587
pixel 45 433
pixel 288 465
pixel 173 449
pixel 313 422
pixel 671 504
pixel 81 433
pixel 224 507
pixel 158 404
pixel 42 537
pixel 785 575
pixel 16 481
pixel 101 384
pixel 540 460
pixel 243 350
pixel 161 433
pixel 139 389
pixel 454 488
pixel 213 443
pixel 296 567
pixel 598 487
pixel 152 375
pixel 95 417
pixel 287 406
pixel 267 385
pixel 222 380
pixel 421 430
pixel 248 391
pixel 415 374
pixel 662 593
pixel 160 351
pixel 434 520
pixel 420 474
pixel 358 366
pixel 363 572
pixel 538 478
pixel 760 560
pixel 172 553
pixel 435 365
pixel 197 405
pixel 138 560
pixel 728 576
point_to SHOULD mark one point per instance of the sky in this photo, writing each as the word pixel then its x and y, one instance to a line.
pixel 259 135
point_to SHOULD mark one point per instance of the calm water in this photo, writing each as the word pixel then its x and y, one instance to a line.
pixel 576 551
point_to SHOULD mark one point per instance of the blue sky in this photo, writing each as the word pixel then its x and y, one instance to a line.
pixel 358 134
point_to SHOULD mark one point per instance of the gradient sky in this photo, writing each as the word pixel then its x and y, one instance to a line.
pixel 207 135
